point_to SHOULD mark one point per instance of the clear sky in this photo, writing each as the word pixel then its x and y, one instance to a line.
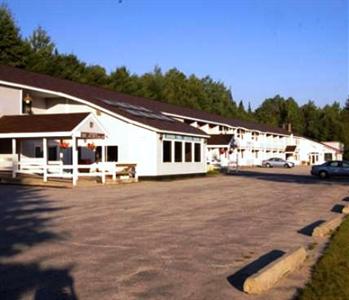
pixel 259 48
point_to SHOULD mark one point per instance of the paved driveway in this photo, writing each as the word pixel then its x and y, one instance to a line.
pixel 183 239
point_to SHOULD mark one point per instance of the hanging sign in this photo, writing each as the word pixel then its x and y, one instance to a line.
pixel 92 135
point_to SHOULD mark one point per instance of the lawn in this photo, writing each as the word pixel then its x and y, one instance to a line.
pixel 330 277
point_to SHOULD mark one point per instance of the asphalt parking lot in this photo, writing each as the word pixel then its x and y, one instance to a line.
pixel 181 239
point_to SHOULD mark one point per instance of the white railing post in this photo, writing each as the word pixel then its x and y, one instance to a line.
pixel 61 160
pixel 114 170
pixel 44 148
pixel 103 163
pixel 75 161
pixel 14 159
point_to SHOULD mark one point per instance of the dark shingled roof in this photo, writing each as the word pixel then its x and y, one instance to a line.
pixel 220 139
pixel 95 94
pixel 40 123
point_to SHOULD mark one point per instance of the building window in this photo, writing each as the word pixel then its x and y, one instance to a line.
pixel 52 153
pixel 38 152
pixel 27 105
pixel 188 154
pixel 112 153
pixel 242 153
pixel 240 133
pixel 166 151
pixel 328 156
pixel 5 146
pixel 197 152
pixel 178 152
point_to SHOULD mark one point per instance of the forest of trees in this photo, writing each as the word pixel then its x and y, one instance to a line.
pixel 38 53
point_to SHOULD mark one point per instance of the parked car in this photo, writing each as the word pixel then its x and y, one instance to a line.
pixel 331 168
pixel 277 162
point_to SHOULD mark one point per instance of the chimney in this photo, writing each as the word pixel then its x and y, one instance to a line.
pixel 289 127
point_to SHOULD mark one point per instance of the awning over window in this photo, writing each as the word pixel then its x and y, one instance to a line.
pixel 291 148
pixel 220 139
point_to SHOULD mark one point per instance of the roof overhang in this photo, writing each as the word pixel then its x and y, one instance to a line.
pixel 88 128
pixel 100 108
pixel 222 124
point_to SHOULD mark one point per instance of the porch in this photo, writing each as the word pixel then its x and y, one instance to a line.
pixel 50 147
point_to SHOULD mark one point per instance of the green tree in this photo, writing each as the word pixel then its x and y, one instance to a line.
pixel 271 111
pixel 95 75
pixel 291 114
pixel 345 121
pixel 42 53
pixel 68 66
pixel 122 81
pixel 241 108
pixel 311 116
pixel 249 109
pixel 13 50
pixel 40 42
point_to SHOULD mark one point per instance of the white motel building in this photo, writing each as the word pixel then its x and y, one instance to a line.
pixel 58 128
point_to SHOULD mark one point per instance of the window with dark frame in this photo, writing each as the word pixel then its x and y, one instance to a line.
pixel 112 153
pixel 188 152
pixel 5 146
pixel 328 156
pixel 38 152
pixel 197 152
pixel 166 151
pixel 52 153
pixel 178 152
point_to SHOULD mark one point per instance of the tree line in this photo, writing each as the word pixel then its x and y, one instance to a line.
pixel 38 53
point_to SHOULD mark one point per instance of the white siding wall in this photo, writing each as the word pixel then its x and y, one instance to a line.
pixel 172 168
pixel 39 105
pixel 135 144
pixel 10 101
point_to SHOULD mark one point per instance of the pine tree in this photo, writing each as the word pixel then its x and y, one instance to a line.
pixel 249 110
pixel 241 108
pixel 42 52
pixel 40 42
pixel 13 50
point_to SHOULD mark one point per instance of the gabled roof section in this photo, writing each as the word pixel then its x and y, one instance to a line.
pixel 41 123
pixel 105 98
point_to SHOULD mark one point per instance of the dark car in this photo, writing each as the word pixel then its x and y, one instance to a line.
pixel 277 162
pixel 331 168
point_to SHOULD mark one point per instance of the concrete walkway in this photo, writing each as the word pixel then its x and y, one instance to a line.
pixel 183 239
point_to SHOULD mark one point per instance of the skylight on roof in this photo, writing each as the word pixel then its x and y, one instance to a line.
pixel 124 105
pixel 137 110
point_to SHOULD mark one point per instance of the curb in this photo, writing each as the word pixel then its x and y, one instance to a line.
pixel 327 227
pixel 267 277
pixel 345 209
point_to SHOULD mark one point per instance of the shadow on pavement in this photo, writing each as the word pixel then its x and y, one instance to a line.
pixel 291 178
pixel 308 230
pixel 237 279
pixel 25 222
pixel 337 208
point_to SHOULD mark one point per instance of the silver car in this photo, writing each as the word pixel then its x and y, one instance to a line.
pixel 277 162
pixel 331 168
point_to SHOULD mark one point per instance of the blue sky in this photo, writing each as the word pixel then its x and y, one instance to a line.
pixel 259 48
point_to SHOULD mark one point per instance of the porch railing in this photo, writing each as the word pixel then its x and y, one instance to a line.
pixel 56 169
